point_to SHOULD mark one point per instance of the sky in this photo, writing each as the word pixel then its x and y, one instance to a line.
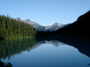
pixel 45 12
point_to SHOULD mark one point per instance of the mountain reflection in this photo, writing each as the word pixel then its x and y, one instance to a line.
pixel 10 48
pixel 81 43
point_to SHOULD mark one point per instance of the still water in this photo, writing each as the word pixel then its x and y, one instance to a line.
pixel 49 54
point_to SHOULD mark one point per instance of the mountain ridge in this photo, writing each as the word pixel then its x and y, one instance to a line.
pixel 80 29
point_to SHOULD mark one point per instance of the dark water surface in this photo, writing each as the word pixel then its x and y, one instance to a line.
pixel 46 54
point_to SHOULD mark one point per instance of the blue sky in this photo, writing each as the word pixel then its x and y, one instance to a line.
pixel 45 11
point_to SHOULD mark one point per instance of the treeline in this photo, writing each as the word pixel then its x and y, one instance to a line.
pixel 15 29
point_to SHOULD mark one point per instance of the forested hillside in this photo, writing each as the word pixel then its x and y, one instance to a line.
pixel 15 29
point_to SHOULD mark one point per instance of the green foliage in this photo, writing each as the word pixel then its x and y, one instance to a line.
pixel 13 29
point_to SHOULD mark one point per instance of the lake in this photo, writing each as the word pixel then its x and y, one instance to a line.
pixel 43 54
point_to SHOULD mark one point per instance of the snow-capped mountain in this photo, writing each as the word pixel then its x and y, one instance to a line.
pixel 54 27
pixel 50 28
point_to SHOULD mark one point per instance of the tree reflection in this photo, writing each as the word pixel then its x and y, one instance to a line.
pixel 3 64
pixel 9 48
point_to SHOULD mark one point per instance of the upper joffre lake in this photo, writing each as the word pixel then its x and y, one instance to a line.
pixel 43 54
pixel 23 45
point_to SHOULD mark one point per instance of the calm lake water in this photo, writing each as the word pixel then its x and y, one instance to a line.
pixel 49 54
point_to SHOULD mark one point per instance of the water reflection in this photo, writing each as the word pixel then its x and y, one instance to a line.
pixel 9 48
pixel 81 43
pixel 52 53
pixel 3 64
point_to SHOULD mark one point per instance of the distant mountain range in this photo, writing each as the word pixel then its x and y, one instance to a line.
pixel 53 27
pixel 81 25
pixel 50 28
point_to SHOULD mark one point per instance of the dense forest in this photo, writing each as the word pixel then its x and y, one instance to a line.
pixel 12 29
